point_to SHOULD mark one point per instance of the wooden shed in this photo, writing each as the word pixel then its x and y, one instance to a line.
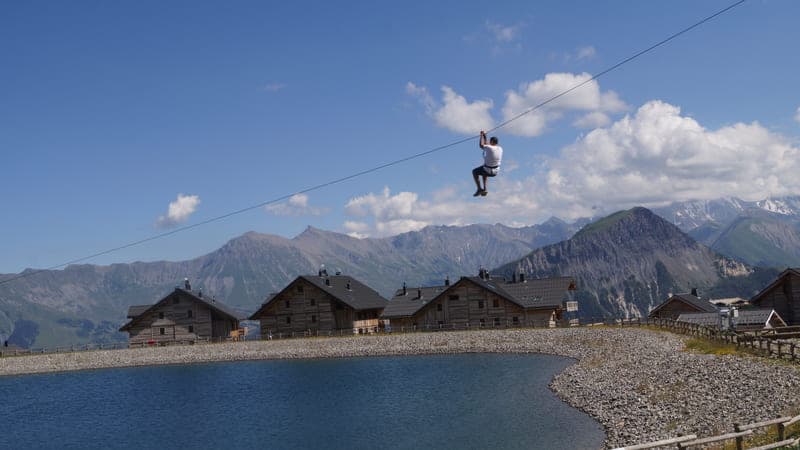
pixel 481 302
pixel 745 320
pixel 182 316
pixel 782 295
pixel 321 303
pixel 682 304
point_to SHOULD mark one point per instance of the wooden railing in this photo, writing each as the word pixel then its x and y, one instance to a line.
pixel 738 435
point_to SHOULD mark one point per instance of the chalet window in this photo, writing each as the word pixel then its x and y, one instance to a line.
pixel 515 319
pixel 438 306
pixel 191 329
pixel 480 305
pixel 452 297
pixel 161 316
pixel 288 319
pixel 299 288
pixel 189 313
pixel 312 301
pixel 313 319
pixel 496 303
pixel 496 321
pixel 288 305
pixel 162 331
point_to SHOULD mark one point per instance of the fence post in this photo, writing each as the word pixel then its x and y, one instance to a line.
pixel 791 350
pixel 781 432
pixel 739 439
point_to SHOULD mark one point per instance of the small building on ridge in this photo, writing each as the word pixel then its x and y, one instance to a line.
pixel 682 304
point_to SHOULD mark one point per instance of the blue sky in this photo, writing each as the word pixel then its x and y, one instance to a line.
pixel 110 111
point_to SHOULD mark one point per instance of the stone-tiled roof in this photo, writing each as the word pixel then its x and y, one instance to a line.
pixel 747 317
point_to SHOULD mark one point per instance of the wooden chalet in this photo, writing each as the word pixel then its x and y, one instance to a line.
pixel 182 316
pixel 745 320
pixel 682 304
pixel 782 295
pixel 482 302
pixel 321 303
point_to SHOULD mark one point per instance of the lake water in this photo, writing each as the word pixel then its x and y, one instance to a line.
pixel 453 401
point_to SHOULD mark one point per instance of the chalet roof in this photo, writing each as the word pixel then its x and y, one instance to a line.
pixel 211 302
pixel 540 292
pixel 406 305
pixel 359 296
pixel 700 304
pixel 137 310
pixel 747 317
pixel 790 271
pixel 531 294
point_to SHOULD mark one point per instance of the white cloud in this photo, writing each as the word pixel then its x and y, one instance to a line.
pixel 658 156
pixel 273 87
pixel 797 115
pixel 179 211
pixel 595 119
pixel 455 113
pixel 296 205
pixel 651 157
pixel 588 97
pixel 503 33
pixel 587 52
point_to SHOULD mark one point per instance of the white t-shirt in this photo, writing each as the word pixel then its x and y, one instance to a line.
pixel 492 154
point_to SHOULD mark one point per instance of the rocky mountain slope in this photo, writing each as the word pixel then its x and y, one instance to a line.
pixel 627 263
pixel 85 303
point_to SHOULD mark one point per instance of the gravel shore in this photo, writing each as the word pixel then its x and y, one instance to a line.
pixel 639 384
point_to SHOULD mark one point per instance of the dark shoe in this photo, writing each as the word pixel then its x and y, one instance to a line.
pixel 483 193
pixel 478 192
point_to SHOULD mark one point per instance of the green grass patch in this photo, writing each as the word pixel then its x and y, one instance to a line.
pixel 711 347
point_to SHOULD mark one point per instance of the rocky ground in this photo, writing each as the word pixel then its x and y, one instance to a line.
pixel 638 383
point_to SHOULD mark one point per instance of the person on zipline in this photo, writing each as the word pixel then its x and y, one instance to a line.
pixel 492 154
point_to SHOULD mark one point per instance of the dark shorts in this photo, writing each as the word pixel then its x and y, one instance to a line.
pixel 484 171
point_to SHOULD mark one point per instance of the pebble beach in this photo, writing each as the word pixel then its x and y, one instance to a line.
pixel 640 384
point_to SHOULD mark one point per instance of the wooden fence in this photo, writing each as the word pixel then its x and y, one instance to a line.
pixel 739 433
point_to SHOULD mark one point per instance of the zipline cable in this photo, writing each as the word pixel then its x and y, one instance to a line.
pixel 380 167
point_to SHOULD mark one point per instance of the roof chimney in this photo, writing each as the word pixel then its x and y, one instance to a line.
pixel 327 281
pixel 405 291
pixel 200 293
pixel 348 285
pixel 419 292
pixel 186 284
pixel 522 277
pixel 447 281
pixel 513 278
pixel 694 292
pixel 481 274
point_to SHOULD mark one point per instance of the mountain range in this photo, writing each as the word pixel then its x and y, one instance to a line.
pixel 625 263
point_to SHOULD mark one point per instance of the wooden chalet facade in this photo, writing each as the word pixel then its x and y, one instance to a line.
pixel 482 302
pixel 681 304
pixel 181 316
pixel 782 295
pixel 321 303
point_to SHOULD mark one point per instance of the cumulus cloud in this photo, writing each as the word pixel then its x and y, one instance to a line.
pixel 588 97
pixel 458 114
pixel 296 205
pixel 179 211
pixel 454 113
pixel 651 157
